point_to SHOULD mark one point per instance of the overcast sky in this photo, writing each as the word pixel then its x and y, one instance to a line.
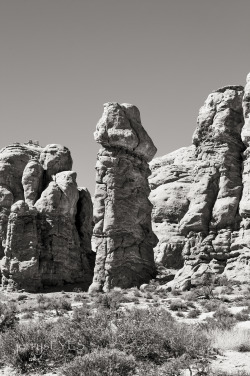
pixel 60 60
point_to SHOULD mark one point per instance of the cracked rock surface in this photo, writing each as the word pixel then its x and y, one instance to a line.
pixel 45 223
pixel 200 194
pixel 122 235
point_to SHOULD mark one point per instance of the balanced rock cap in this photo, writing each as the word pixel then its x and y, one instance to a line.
pixel 120 126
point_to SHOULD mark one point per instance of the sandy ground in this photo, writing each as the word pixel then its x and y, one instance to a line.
pixel 232 361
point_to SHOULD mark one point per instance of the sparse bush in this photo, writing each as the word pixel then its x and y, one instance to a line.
pixel 193 313
pixel 22 297
pixel 148 295
pixel 104 362
pixel 137 293
pixel 210 305
pixel 40 299
pixel 222 319
pixel 175 292
pixel 150 336
pixel 177 305
pixel 190 304
pixel 180 314
pixel 77 289
pixel 78 298
pixel 8 317
pixel 242 316
pixel 27 316
pixel 65 305
pixel 112 299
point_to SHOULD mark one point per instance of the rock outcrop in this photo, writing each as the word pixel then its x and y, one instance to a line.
pixel 200 195
pixel 45 223
pixel 122 233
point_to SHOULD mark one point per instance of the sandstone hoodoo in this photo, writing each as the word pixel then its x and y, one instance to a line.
pixel 122 234
pixel 45 219
pixel 200 194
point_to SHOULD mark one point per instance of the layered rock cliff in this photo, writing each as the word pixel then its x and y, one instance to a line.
pixel 201 193
pixel 45 219
pixel 122 234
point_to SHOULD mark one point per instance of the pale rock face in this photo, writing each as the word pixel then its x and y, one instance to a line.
pixel 122 237
pixel 55 158
pixel 202 217
pixel 32 181
pixel 41 218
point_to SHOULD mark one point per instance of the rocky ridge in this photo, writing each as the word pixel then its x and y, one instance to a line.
pixel 200 195
pixel 45 219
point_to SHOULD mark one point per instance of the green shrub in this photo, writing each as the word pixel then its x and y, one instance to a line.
pixel 104 362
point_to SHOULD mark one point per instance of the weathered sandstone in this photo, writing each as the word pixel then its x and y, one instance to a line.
pixel 201 211
pixel 122 235
pixel 45 224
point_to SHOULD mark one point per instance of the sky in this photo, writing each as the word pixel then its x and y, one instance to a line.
pixel 60 60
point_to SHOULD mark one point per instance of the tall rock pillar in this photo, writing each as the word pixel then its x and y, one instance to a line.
pixel 122 237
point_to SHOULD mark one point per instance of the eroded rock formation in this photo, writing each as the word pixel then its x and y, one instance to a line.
pixel 122 234
pixel 45 223
pixel 200 194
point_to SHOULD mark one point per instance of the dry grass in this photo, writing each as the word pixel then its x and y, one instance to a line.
pixel 234 339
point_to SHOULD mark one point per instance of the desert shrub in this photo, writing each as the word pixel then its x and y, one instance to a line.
pixel 222 319
pixel 40 298
pixel 222 312
pixel 65 305
pixel 190 304
pixel 22 297
pixel 104 362
pixel 149 336
pixel 242 316
pixel 148 295
pixel 191 295
pixel 193 313
pixel 39 344
pixel 180 314
pixel 112 300
pixel 45 303
pixel 77 289
pixel 210 305
pixel 178 305
pixel 154 336
pixel 230 373
pixel 173 367
pixel 227 290
pixel 137 293
pixel 8 317
pixel 78 298
pixel 27 315
pixel 175 292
